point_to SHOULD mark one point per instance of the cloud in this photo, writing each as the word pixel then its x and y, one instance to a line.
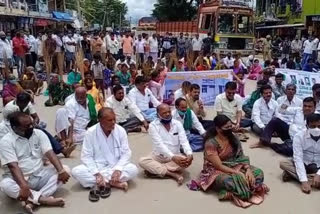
pixel 139 8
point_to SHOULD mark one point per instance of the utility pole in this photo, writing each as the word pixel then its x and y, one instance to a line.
pixel 120 19
pixel 78 7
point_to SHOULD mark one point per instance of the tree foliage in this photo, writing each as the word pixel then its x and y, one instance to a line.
pixel 103 12
pixel 176 10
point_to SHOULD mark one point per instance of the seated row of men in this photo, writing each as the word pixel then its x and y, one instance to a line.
pixel 105 157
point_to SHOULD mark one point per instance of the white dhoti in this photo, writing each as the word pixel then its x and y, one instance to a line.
pixel 43 183
pixel 63 124
pixel 87 179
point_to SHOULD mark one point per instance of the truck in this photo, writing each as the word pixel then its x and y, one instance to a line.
pixel 230 23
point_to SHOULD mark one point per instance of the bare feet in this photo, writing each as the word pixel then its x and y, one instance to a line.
pixel 51 201
pixel 28 206
pixel 178 177
pixel 120 185
pixel 68 150
pixel 257 145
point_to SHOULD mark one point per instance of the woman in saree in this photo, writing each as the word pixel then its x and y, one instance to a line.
pixel 58 91
pixel 227 170
pixel 11 88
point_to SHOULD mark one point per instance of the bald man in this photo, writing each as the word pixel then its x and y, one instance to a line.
pixel 73 119
pixel 105 157
pixel 168 136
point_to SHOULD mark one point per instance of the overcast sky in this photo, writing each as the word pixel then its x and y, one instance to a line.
pixel 139 8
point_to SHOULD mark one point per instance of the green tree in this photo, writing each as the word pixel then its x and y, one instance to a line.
pixel 176 10
pixel 103 12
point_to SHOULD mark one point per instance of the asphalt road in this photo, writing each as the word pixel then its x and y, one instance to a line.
pixel 164 196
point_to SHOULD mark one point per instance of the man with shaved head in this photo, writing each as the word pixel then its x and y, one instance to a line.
pixel 73 119
pixel 168 136
pixel 105 157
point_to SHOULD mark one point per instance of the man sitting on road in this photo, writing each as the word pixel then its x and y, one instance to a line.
pixel 124 108
pixel 305 166
pixel 25 177
pixel 263 111
pixel 196 105
pixel 284 117
pixel 141 96
pixel 73 119
pixel 194 129
pixel 105 157
pixel 168 136
pixel 298 124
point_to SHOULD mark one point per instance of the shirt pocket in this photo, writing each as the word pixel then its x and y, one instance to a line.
pixel 36 150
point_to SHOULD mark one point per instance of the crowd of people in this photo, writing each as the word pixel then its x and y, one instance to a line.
pixel 298 54
pixel 108 95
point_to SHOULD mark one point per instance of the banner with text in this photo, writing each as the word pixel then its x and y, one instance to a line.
pixel 211 83
pixel 304 80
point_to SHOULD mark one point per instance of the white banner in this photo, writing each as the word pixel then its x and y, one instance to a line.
pixel 304 80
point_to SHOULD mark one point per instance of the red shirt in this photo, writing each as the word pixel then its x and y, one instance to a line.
pixel 20 47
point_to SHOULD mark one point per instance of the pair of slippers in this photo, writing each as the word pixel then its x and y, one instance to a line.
pixel 97 192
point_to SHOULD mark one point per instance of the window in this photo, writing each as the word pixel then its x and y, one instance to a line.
pixel 207 21
pixel 226 23
pixel 244 24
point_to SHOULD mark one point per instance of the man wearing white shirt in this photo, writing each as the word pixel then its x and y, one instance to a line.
pixel 316 95
pixel 124 108
pixel 5 48
pixel 305 166
pixel 230 104
pixel 298 124
pixel 25 177
pixel 154 49
pixel 141 96
pixel 73 119
pixel 168 136
pixel 113 46
pixel 59 52
pixel 314 49
pixel 196 46
pixel 228 61
pixel 70 49
pixel 308 49
pixel 32 43
pixel 263 111
pixel 283 118
pixel 139 49
pixel 191 124
pixel 105 157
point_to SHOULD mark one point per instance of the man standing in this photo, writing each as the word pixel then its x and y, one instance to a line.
pixel 285 45
pixel 86 46
pixel 78 114
pixel 181 44
pixel 207 43
pixel 105 158
pixel 127 45
pixel 50 47
pixel 154 47
pixel 296 46
pixel 266 45
pixel 5 52
pixel 25 176
pixel 166 45
pixel 70 45
pixel 141 96
pixel 31 41
pixel 20 48
pixel 113 46
pixel 96 43
pixel 139 51
pixel 59 52
pixel 124 108
pixel 307 52
pixel 196 46
pixel 168 137
pixel 263 111
pixel 193 128
pixel 305 166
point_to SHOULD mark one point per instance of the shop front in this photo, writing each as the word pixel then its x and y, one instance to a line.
pixel 313 25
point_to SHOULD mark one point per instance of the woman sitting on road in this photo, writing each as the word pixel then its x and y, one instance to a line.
pixel 227 170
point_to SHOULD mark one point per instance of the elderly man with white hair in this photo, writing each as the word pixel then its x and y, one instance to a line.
pixel 105 158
